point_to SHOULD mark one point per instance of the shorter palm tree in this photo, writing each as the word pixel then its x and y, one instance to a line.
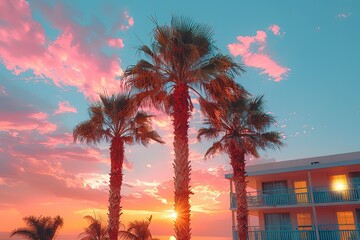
pixel 95 231
pixel 137 230
pixel 116 119
pixel 39 228
pixel 242 125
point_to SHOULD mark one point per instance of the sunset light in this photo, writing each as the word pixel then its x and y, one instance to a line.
pixel 170 214
pixel 163 136
pixel 339 183
pixel 173 215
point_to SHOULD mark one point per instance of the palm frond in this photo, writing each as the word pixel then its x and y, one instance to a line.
pixel 271 140
pixel 125 235
pixel 29 234
pixel 208 133
pixel 39 227
pixel 215 148
pixel 243 125
pixel 87 132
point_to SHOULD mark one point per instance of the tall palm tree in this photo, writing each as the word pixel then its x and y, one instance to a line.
pixel 116 119
pixel 137 230
pixel 182 59
pixel 39 228
pixel 242 126
pixel 95 231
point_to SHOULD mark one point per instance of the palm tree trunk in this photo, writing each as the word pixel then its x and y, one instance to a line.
pixel 116 177
pixel 237 158
pixel 181 163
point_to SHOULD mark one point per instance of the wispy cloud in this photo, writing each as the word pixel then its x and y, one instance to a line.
pixel 252 51
pixel 343 15
pixel 64 107
pixel 3 91
pixel 22 121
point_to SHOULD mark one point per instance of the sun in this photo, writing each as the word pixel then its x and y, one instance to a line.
pixel 170 215
pixel 173 215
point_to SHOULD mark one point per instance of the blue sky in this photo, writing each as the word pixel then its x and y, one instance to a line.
pixel 55 55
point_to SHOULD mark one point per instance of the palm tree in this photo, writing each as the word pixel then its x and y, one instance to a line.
pixel 116 119
pixel 242 125
pixel 95 231
pixel 181 59
pixel 137 230
pixel 39 228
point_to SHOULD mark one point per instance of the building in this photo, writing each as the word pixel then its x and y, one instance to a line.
pixel 306 199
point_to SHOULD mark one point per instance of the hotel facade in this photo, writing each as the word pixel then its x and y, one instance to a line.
pixel 305 199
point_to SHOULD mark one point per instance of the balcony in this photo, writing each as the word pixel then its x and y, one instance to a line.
pixel 298 196
pixel 326 232
pixel 323 195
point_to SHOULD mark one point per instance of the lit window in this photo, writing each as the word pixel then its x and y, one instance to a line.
pixel 339 183
pixel 346 222
pixel 301 192
pixel 304 221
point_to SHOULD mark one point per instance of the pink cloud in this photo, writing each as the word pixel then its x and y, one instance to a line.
pixel 17 117
pixel 26 122
pixel 70 60
pixel 116 42
pixel 275 29
pixel 39 116
pixel 65 107
pixel 130 21
pixel 64 139
pixel 251 49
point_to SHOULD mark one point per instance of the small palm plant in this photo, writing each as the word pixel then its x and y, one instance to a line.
pixel 116 119
pixel 95 231
pixel 137 230
pixel 242 126
pixel 39 228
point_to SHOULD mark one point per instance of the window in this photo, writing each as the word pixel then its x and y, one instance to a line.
pixel 276 193
pixel 339 183
pixel 346 222
pixel 277 221
pixel 304 221
pixel 301 192
pixel 354 178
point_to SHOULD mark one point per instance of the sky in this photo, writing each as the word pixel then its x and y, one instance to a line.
pixel 56 56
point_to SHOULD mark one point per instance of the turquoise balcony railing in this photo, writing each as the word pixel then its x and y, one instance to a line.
pixel 298 196
pixel 278 233
pixel 339 232
pixel 326 232
pixel 324 195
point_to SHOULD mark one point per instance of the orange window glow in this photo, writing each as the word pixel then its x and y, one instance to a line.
pixel 304 221
pixel 339 183
pixel 301 191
